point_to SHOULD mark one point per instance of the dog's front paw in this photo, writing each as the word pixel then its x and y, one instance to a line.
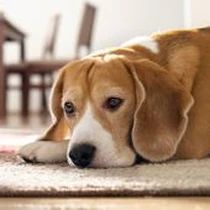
pixel 44 152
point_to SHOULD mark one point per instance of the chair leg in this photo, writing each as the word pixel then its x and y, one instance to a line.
pixel 5 96
pixel 25 95
pixel 43 95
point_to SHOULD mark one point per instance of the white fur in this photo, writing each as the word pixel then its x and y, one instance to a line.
pixel 45 151
pixel 144 41
pixel 90 131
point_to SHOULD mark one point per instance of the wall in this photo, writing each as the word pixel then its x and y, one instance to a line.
pixel 117 21
pixel 120 20
pixel 198 13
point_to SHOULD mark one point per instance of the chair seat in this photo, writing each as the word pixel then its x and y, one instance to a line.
pixel 40 66
pixel 37 66
pixel 16 68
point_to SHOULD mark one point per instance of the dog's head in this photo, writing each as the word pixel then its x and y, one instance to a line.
pixel 114 109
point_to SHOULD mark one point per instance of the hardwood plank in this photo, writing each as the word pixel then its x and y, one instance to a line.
pixel 96 203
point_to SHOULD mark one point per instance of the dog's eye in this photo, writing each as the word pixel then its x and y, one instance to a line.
pixel 113 103
pixel 69 108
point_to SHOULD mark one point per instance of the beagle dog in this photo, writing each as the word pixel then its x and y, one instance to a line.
pixel 148 98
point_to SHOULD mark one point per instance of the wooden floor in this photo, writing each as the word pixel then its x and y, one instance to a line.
pixel 136 203
pixel 37 123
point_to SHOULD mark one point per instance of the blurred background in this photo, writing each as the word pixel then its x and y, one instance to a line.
pixel 37 37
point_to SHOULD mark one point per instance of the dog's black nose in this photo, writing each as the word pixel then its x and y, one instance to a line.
pixel 82 154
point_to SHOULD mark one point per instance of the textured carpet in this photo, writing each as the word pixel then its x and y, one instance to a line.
pixel 17 178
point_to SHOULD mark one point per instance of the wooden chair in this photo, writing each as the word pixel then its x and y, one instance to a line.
pixel 86 29
pixel 48 65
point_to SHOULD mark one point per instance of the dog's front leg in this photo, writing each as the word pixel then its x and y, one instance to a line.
pixel 44 151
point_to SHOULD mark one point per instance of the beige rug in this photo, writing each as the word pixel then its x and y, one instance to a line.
pixel 17 178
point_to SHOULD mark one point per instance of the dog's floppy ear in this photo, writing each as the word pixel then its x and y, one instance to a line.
pixel 160 118
pixel 59 129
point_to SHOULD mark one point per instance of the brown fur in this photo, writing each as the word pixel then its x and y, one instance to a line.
pixel 164 123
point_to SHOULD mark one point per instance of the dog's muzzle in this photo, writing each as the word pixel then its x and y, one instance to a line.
pixel 82 155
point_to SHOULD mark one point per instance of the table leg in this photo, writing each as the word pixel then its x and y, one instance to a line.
pixel 22 50
pixel 3 90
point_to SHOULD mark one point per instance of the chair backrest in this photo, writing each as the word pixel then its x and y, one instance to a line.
pixel 49 44
pixel 86 29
